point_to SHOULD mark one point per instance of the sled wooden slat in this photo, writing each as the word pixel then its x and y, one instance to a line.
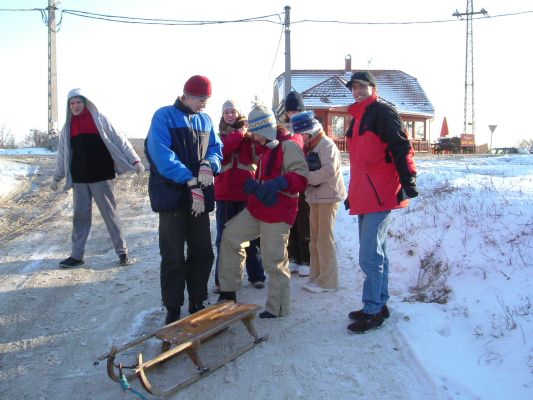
pixel 187 336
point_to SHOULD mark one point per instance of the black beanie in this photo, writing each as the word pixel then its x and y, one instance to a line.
pixel 294 102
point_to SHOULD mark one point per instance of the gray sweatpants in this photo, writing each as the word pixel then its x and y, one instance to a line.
pixel 102 192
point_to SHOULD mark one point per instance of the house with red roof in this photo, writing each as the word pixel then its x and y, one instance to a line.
pixel 324 92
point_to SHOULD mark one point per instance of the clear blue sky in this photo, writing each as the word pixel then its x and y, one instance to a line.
pixel 131 70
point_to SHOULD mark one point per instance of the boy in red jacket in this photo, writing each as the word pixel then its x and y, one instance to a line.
pixel 271 209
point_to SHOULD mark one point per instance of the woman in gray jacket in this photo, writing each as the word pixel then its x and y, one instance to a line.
pixel 325 191
pixel 90 154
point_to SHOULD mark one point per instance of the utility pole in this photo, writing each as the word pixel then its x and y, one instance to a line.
pixel 469 126
pixel 288 84
pixel 52 70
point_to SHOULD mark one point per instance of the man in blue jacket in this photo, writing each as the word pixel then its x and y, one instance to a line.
pixel 184 152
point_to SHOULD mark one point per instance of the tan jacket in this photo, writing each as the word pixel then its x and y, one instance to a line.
pixel 329 179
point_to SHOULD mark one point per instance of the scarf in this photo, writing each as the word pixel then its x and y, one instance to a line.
pixel 358 109
pixel 225 128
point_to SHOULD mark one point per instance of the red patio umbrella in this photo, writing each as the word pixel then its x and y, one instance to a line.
pixel 444 130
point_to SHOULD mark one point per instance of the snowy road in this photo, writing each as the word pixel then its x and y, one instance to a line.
pixel 54 323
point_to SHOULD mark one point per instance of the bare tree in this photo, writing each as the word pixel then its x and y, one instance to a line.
pixel 528 143
pixel 7 140
pixel 37 138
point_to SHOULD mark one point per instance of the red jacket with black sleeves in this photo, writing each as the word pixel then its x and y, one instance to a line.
pixel 381 157
pixel 288 160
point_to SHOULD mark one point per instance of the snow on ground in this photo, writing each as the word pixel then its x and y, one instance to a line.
pixel 461 323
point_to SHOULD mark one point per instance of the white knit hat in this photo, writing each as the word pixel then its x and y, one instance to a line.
pixel 261 122
pixel 231 104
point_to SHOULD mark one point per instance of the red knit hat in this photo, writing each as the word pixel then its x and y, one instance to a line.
pixel 198 85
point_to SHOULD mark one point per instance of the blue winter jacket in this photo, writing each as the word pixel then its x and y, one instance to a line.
pixel 177 141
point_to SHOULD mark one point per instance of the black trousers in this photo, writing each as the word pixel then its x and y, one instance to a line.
pixel 177 269
pixel 299 237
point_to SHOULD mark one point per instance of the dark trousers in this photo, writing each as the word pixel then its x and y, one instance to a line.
pixel 226 210
pixel 178 270
pixel 300 236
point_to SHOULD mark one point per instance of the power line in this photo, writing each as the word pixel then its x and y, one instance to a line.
pixel 159 21
pixel 406 22
pixel 264 18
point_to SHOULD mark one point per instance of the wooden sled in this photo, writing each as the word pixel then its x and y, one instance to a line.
pixel 186 336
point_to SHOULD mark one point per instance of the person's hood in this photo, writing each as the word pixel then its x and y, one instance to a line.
pixel 77 92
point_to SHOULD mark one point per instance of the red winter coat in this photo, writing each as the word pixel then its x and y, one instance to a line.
pixel 287 160
pixel 238 164
pixel 381 157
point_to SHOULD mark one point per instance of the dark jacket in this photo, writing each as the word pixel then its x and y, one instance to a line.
pixel 177 141
pixel 381 157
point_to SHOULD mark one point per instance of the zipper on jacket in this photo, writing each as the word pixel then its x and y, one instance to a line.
pixel 374 189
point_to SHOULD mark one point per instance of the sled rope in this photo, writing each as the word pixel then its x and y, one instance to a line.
pixel 124 384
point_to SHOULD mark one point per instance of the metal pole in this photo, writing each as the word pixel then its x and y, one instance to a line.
pixel 52 70
pixel 288 84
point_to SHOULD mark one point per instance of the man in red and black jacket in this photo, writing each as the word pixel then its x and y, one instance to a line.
pixel 382 178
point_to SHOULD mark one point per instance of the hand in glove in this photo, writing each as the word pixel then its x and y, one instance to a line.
pixel 408 190
pixel 205 174
pixel 197 198
pixel 54 185
pixel 138 167
pixel 267 191
pixel 251 186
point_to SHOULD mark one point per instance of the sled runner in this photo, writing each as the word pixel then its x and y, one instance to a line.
pixel 187 336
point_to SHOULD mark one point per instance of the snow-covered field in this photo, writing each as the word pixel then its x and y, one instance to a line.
pixel 461 323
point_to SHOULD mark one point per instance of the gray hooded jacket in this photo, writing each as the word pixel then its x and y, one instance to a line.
pixel 118 145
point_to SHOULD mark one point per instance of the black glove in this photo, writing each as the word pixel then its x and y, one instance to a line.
pixel 410 191
pixel 313 162
pixel 346 204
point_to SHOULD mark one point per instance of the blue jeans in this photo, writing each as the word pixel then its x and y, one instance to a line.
pixel 225 211
pixel 373 259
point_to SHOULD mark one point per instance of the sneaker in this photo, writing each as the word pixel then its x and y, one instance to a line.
pixel 173 314
pixel 366 322
pixel 125 260
pixel 259 284
pixel 303 270
pixel 355 315
pixel 266 314
pixel 70 263
pixel 196 306
pixel 314 288
pixel 293 267
pixel 215 289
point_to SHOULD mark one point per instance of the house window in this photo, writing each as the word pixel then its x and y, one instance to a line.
pixel 420 130
pixel 337 122
pixel 408 125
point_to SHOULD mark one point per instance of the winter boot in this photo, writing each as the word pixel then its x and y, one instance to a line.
pixel 266 314
pixel 196 306
pixel 70 263
pixel 355 315
pixel 124 260
pixel 366 323
pixel 227 296
pixel 173 314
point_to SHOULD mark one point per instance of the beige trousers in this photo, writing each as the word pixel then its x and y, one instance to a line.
pixel 323 268
pixel 274 237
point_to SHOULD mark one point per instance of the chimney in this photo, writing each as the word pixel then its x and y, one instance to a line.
pixel 347 63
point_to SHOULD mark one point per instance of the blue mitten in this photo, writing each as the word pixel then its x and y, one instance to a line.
pixel 267 192
pixel 250 186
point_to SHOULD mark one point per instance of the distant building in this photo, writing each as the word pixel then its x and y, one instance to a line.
pixel 325 93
